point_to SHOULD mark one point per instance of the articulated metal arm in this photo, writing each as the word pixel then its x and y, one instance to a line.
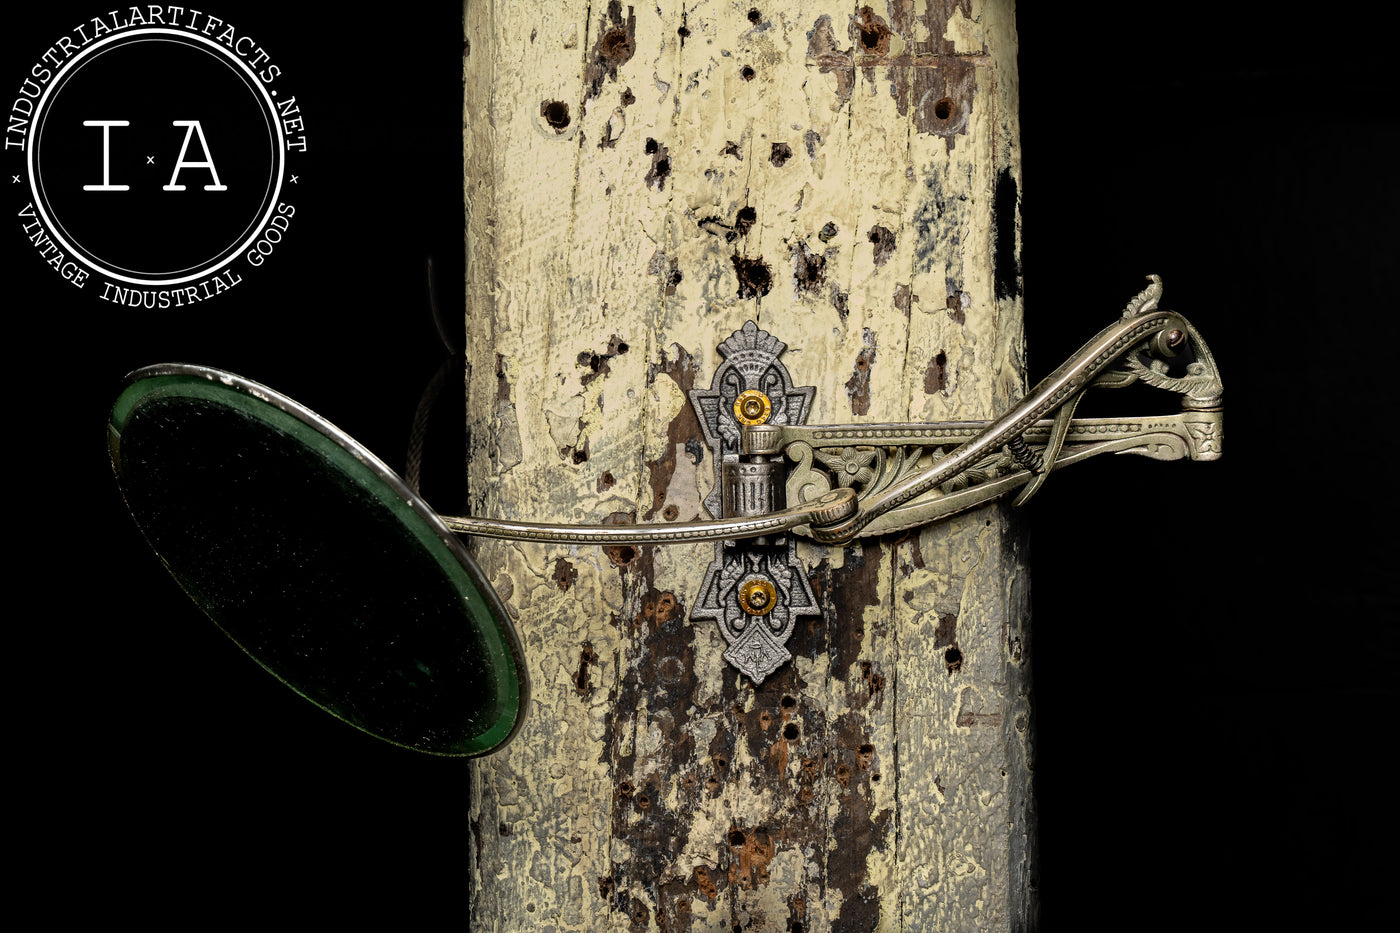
pixel 862 453
pixel 856 480
pixel 861 480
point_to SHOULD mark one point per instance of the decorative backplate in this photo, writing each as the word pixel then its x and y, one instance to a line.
pixel 754 592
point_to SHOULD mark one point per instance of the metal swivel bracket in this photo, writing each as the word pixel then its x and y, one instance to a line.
pixel 777 477
pixel 906 475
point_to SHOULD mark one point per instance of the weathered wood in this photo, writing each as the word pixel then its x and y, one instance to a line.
pixel 640 182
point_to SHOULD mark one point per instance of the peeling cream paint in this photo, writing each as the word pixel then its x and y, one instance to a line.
pixel 581 239
pixel 966 32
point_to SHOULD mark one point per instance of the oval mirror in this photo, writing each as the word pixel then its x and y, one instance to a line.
pixel 317 560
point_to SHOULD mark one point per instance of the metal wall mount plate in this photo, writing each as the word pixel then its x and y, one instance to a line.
pixel 752 387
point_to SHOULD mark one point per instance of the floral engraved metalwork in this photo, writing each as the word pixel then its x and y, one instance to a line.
pixel 1200 384
pixel 871 470
pixel 1207 438
pixel 910 474
pixel 850 466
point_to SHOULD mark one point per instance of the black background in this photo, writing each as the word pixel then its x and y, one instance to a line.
pixel 1215 643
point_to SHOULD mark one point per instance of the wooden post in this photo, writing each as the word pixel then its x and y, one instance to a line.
pixel 640 182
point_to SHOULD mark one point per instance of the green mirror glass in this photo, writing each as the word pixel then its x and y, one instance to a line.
pixel 317 560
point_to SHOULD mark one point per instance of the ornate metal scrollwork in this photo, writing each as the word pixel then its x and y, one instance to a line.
pixel 846 481
pixel 906 475
pixel 910 474
pixel 752 388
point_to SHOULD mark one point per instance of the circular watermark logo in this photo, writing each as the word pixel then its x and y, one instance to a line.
pixel 155 151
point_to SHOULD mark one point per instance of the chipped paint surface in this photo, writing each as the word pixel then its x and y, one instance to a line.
pixel 845 175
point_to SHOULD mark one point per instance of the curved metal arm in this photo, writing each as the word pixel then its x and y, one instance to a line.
pixel 832 506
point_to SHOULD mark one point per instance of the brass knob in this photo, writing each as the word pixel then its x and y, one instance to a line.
pixel 757 596
pixel 752 407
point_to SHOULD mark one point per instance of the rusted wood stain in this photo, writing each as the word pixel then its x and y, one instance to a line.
pixel 617 43
pixel 660 164
pixel 858 386
pixel 883 240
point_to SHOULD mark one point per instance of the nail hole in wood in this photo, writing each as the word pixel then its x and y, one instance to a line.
pixel 556 114
pixel 744 220
pixel 616 46
pixel 620 554
pixel 755 278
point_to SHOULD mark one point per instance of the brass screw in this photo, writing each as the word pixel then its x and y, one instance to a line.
pixel 757 596
pixel 752 407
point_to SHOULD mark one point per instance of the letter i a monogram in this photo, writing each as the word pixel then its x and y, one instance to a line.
pixel 192 128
